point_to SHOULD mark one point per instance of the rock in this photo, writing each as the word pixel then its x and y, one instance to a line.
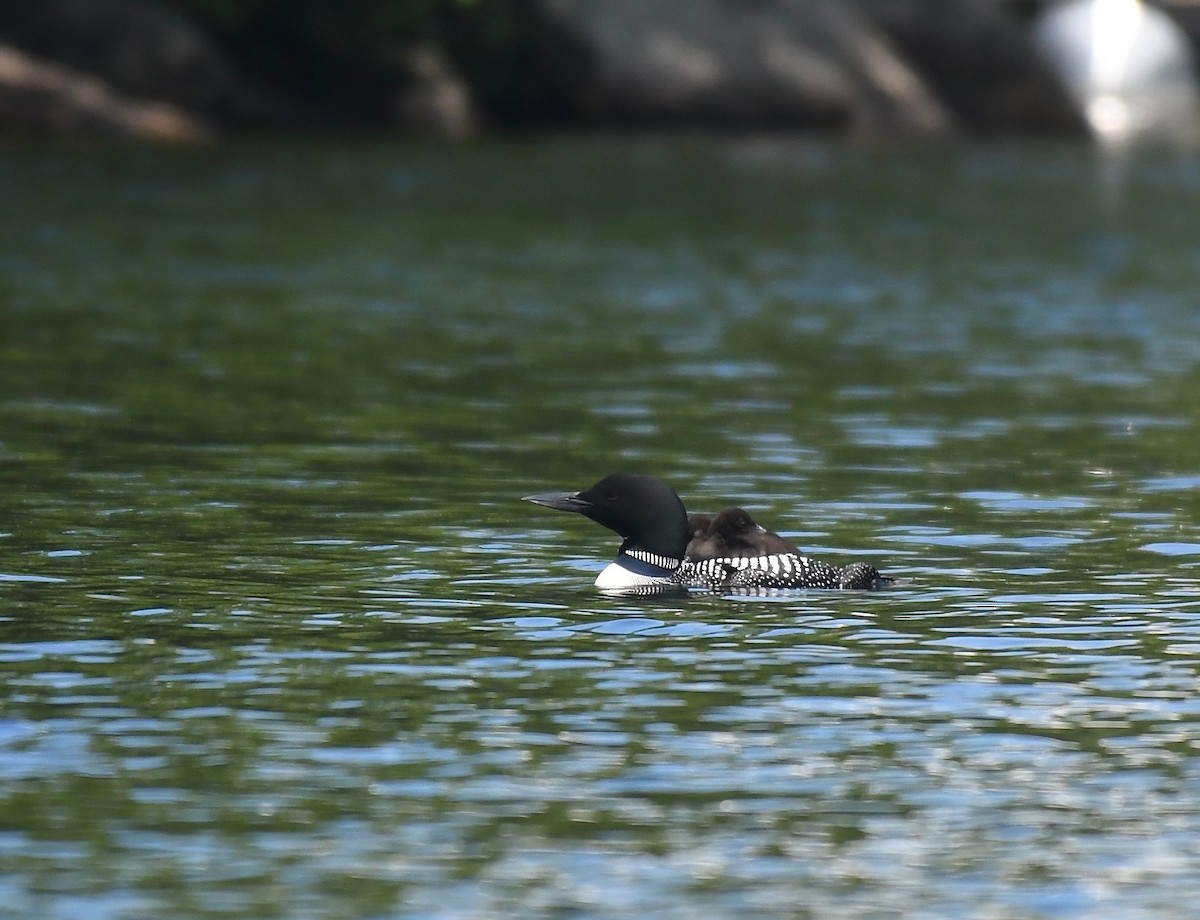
pixel 740 64
pixel 982 64
pixel 1130 68
pixel 139 48
pixel 1187 17
pixel 39 97
pixel 435 100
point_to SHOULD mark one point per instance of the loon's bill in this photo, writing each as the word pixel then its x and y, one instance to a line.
pixel 662 547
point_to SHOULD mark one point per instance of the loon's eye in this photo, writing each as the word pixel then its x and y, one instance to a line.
pixel 611 498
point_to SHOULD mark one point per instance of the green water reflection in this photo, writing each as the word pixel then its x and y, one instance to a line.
pixel 278 639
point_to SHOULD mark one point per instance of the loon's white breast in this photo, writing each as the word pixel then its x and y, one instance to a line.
pixel 637 568
pixel 616 577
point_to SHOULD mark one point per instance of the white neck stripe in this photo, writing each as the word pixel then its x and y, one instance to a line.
pixel 654 559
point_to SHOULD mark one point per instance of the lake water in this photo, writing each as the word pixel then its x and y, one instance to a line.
pixel 278 638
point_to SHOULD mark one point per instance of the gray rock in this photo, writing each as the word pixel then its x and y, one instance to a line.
pixel 1130 68
pixel 981 62
pixel 40 97
pixel 741 64
pixel 141 49
pixel 435 100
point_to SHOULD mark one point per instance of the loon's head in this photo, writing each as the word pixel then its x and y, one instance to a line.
pixel 644 510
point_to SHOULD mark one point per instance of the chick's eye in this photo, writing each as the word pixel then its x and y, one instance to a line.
pixel 611 498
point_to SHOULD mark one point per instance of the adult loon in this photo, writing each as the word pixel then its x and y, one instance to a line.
pixel 656 533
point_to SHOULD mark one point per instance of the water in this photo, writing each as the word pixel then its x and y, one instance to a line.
pixel 278 639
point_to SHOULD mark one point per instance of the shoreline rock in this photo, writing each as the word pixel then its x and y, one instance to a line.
pixel 981 63
pixel 774 64
pixel 42 98
pixel 867 69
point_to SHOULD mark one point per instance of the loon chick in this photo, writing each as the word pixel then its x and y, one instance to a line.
pixel 656 532
pixel 734 533
pixel 697 548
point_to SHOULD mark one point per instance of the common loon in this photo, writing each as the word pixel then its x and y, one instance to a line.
pixel 656 533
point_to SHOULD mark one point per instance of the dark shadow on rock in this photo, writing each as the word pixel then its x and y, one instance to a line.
pixel 142 50
pixel 40 98
pixel 737 64
pixel 981 63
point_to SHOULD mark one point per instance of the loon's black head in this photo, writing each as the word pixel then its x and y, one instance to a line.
pixel 642 509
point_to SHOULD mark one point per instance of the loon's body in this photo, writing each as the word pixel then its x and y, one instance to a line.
pixel 657 534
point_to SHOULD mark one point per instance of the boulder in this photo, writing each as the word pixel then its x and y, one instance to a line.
pixel 141 49
pixel 1187 17
pixel 1129 67
pixel 40 97
pixel 982 64
pixel 739 64
pixel 434 100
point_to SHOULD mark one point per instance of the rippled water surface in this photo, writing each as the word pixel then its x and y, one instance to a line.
pixel 278 639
